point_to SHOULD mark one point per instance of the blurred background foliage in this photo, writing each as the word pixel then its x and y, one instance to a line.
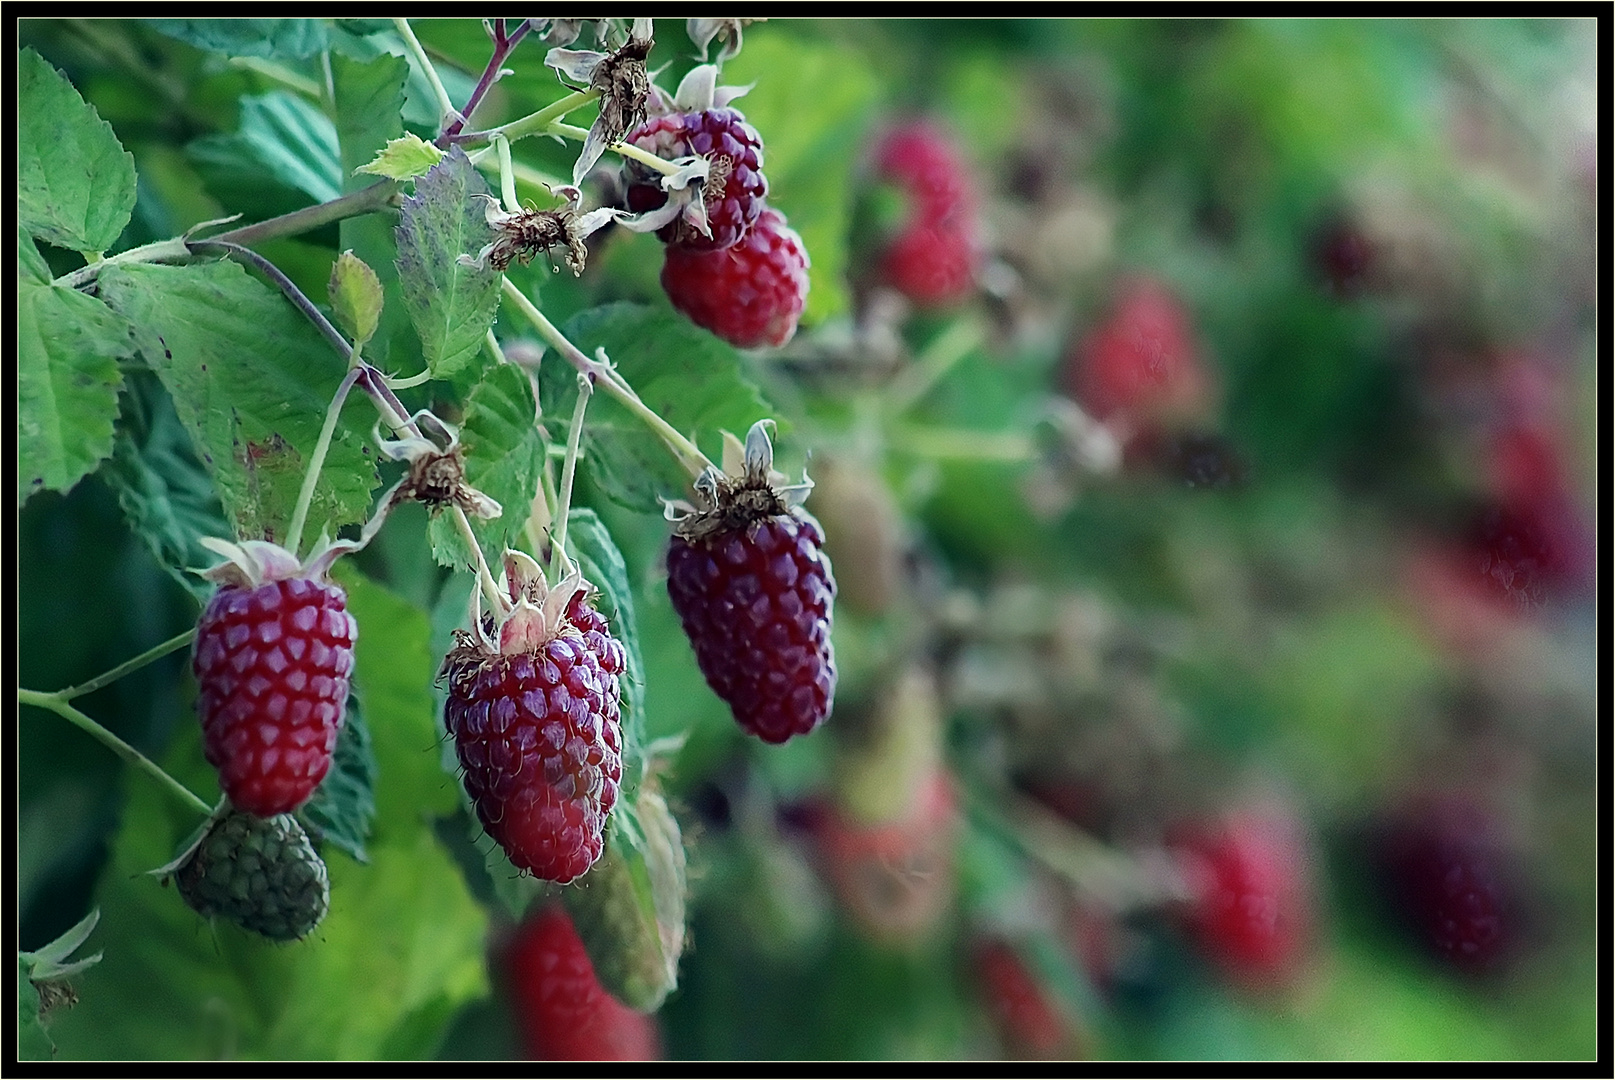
pixel 1380 235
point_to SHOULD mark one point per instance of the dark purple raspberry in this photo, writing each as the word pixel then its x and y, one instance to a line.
pixel 734 189
pixel 747 577
pixel 537 727
pixel 1453 883
pixel 272 663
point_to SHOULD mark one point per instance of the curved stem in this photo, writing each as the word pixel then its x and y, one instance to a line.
pixel 627 150
pixel 445 104
pixel 156 652
pixel 688 454
pixel 284 283
pixel 305 495
pixel 537 122
pixel 502 48
pixel 57 705
pixel 507 176
pixel 947 349
pixel 161 251
pixel 568 472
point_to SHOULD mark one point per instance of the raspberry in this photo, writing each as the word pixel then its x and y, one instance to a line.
pixel 932 259
pixel 260 873
pixel 734 189
pixel 1453 882
pixel 562 1011
pixel 536 724
pixel 273 656
pixel 1251 906
pixel 1028 1022
pixel 751 294
pixel 748 580
pixel 1142 361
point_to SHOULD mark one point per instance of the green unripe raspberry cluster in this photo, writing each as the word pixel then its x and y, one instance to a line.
pixel 260 873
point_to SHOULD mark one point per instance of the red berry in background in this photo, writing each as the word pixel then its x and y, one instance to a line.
pixel 561 1010
pixel 1029 1023
pixel 273 656
pixel 536 724
pixel 1250 909
pixel 735 187
pixel 1141 363
pixel 748 579
pixel 895 879
pixel 750 295
pixel 1344 255
pixel 933 254
pixel 1453 881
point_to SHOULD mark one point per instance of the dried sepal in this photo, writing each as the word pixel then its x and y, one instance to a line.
pixel 623 86
pixel 522 235
pixel 704 31
pixel 436 475
pixel 746 490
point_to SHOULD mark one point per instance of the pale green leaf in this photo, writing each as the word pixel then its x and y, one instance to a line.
pixel 356 298
pixel 75 181
pixel 251 381
pixel 29 260
pixel 67 384
pixel 404 158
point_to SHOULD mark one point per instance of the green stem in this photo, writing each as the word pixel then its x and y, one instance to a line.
pixel 535 123
pixel 162 251
pixel 305 496
pixel 964 445
pixel 156 652
pixel 490 587
pixel 60 707
pixel 627 150
pixel 688 454
pixel 445 104
pixel 507 176
pixel 568 472
pixel 949 347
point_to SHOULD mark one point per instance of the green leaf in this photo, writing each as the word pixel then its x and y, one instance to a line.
pixel 166 494
pixel 355 297
pixel 33 1044
pixel 282 140
pixel 504 457
pixel 404 158
pixel 686 375
pixel 343 805
pixel 812 145
pixel 403 940
pixel 297 39
pixel 29 261
pixel 75 181
pixel 603 565
pixel 451 304
pixel 67 384
pixel 369 96
pixel 251 381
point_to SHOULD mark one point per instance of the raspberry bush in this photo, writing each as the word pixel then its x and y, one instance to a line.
pixel 753 539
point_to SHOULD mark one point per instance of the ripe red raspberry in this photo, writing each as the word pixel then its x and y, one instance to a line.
pixel 562 1011
pixel 1142 361
pixel 932 258
pixel 273 657
pixel 748 579
pixel 1251 907
pixel 1453 881
pixel 735 186
pixel 751 294
pixel 536 723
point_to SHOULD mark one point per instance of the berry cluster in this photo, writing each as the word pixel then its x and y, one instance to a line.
pixel 733 266
pixel 932 258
